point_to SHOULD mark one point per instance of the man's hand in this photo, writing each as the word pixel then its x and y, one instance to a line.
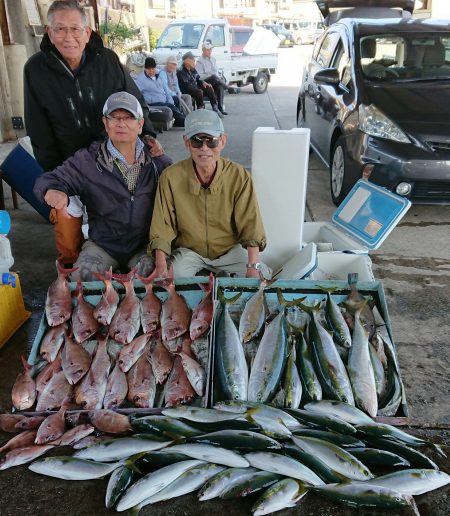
pixel 252 273
pixel 59 200
pixel 156 149
pixel 206 85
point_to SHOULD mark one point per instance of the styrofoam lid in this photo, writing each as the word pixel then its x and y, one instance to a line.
pixel 5 222
pixel 370 212
pixel 301 264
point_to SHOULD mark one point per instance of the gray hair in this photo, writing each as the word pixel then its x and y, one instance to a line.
pixel 66 5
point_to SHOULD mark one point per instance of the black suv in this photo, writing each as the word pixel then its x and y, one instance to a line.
pixel 376 97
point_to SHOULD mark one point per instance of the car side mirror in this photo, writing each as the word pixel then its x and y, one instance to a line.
pixel 328 76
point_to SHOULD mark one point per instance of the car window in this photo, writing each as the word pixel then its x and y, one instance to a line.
pixel 405 56
pixel 215 35
pixel 327 49
pixel 341 62
pixel 181 35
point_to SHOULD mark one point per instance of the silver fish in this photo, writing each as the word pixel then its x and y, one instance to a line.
pixel 70 468
pixel 211 453
pixel 285 493
pixel 292 384
pixel 254 314
pixel 269 362
pixel 230 361
pixel 360 370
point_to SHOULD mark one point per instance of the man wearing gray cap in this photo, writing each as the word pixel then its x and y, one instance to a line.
pixel 116 181
pixel 206 67
pixel 168 76
pixel 206 212
pixel 190 83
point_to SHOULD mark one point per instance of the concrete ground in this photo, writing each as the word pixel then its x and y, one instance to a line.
pixel 413 265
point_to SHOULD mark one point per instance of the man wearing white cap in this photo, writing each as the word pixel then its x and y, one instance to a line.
pixel 206 212
pixel 168 76
pixel 116 181
pixel 206 67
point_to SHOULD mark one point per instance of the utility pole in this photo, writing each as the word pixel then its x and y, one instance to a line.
pixel 6 129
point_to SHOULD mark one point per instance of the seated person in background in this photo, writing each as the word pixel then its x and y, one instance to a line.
pixel 116 181
pixel 153 91
pixel 206 67
pixel 190 82
pixel 206 210
pixel 168 76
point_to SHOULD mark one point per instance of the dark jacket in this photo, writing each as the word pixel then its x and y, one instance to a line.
pixel 188 79
pixel 63 111
pixel 119 221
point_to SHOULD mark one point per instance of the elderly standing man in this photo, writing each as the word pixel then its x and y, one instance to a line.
pixel 190 83
pixel 206 212
pixel 116 180
pixel 206 67
pixel 66 85
pixel 168 76
pixel 154 92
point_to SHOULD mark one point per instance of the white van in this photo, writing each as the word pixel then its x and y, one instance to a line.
pixel 304 31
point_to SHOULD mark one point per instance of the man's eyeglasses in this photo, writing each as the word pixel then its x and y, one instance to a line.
pixel 116 120
pixel 211 141
pixel 61 32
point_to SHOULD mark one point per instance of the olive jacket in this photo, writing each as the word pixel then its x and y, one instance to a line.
pixel 209 221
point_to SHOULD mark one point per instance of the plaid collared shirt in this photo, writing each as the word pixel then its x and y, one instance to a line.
pixel 130 173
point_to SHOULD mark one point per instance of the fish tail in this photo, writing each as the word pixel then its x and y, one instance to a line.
pixel 106 276
pixel 207 288
pixel 328 290
pixel 352 278
pixel 64 272
pixel 147 280
pixel 125 278
pixel 168 281
pixel 79 289
pixel 25 363
pixel 284 302
pixel 227 301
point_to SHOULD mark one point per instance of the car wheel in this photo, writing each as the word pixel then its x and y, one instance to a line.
pixel 340 183
pixel 260 83
pixel 300 116
pixel 299 41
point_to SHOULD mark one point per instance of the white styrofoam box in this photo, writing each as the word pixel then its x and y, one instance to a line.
pixel 279 171
pixel 337 266
pixel 301 264
pixel 327 233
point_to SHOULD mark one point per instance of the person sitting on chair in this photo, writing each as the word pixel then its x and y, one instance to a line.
pixel 190 83
pixel 206 67
pixel 153 91
pixel 168 76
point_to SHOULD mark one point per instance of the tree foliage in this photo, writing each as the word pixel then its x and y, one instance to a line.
pixel 116 34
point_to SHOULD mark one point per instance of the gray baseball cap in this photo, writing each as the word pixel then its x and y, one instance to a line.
pixel 123 100
pixel 203 121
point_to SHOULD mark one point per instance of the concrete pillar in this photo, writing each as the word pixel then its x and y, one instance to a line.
pixel 19 28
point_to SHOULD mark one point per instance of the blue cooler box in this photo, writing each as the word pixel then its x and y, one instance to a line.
pixel 20 171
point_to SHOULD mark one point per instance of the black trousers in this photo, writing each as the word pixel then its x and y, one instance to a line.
pixel 177 114
pixel 219 88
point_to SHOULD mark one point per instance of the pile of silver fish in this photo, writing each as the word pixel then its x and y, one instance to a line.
pixel 144 351
pixel 234 450
pixel 306 352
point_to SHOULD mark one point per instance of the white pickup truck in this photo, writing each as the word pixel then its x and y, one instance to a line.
pixel 244 55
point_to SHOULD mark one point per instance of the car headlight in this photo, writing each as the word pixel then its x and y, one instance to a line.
pixel 373 122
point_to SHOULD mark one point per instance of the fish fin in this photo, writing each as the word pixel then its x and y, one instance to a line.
pixel 309 308
pixel 64 272
pixel 353 278
pixel 438 450
pixel 227 301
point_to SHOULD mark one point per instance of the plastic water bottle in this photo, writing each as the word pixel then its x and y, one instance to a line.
pixel 6 258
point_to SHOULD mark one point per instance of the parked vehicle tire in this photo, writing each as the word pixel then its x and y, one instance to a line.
pixel 299 41
pixel 300 115
pixel 340 182
pixel 260 83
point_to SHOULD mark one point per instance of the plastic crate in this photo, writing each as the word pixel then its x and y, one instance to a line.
pixel 12 310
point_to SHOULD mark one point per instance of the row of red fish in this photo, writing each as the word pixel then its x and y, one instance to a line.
pixel 99 381
pixel 126 317
pixel 38 434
